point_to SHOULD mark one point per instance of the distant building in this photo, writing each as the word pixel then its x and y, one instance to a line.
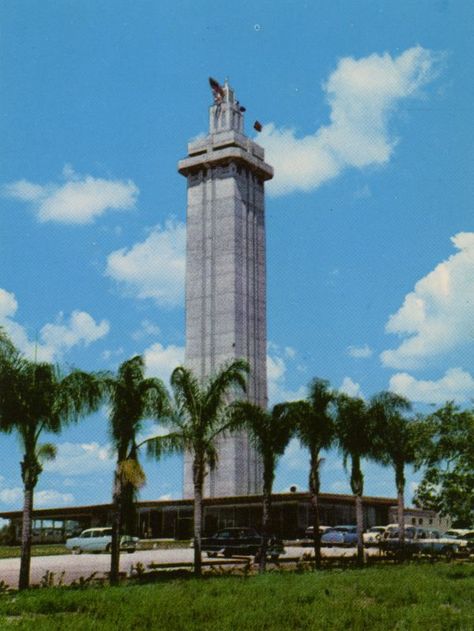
pixel 291 514
pixel 421 517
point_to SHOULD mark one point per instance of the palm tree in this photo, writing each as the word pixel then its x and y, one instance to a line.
pixel 395 442
pixel 354 439
pixel 200 414
pixel 133 398
pixel 316 431
pixel 270 432
pixel 36 398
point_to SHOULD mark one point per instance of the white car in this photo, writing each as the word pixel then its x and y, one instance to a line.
pixel 374 535
pixel 99 540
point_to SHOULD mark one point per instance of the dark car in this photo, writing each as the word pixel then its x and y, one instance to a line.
pixel 240 541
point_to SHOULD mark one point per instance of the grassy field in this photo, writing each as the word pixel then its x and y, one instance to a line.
pixel 45 549
pixel 411 597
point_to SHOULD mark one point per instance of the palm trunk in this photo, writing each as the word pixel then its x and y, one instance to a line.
pixel 400 483
pixel 198 476
pixel 357 485
pixel 268 474
pixel 314 486
pixel 266 513
pixel 24 580
pixel 360 530
pixel 116 528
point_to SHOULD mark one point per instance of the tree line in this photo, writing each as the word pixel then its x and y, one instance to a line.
pixel 37 397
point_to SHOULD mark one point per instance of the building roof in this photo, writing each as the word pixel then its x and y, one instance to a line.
pixel 76 511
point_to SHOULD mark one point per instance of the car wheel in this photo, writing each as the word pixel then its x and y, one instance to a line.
pixel 130 550
pixel 108 547
pixel 76 550
pixel 211 555
pixel 227 554
pixel 274 557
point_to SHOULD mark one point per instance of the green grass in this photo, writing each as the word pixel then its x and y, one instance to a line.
pixel 45 549
pixel 420 596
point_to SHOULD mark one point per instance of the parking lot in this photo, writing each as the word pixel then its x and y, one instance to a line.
pixel 75 566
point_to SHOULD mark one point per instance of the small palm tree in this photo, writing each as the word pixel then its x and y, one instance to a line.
pixel 394 442
pixel 270 433
pixel 133 398
pixel 315 429
pixel 36 398
pixel 200 414
pixel 354 435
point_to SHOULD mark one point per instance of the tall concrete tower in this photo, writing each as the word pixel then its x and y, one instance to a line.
pixel 225 275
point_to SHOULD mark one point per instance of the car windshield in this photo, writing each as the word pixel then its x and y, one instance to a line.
pixel 377 529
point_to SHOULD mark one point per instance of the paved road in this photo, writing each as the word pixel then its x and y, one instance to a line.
pixel 75 566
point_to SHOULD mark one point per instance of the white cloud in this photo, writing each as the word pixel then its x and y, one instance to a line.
pixel 351 388
pixel 11 496
pixel 80 200
pixel 47 497
pixel 146 329
pixel 52 498
pixel 53 339
pixel 80 329
pixel 362 93
pixel 278 389
pixel 456 385
pixel 153 268
pixel 76 459
pixel 437 316
pixel 360 351
pixel 161 360
pixel 296 457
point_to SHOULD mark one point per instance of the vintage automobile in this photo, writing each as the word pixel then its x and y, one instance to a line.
pixel 240 541
pixel 340 536
pixel 374 535
pixel 423 541
pixel 99 540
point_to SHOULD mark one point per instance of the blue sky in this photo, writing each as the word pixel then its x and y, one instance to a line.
pixel 370 239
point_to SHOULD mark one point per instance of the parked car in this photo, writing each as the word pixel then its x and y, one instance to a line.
pixel 340 536
pixel 374 535
pixel 240 541
pixel 308 533
pixel 99 540
pixel 468 539
pixel 423 541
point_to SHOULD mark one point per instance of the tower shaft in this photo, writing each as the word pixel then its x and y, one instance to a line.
pixel 226 278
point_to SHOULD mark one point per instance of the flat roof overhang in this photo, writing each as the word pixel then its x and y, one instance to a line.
pixel 241 500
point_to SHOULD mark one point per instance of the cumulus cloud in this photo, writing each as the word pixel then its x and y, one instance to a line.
pixel 76 459
pixel 456 385
pixel 278 389
pixel 360 351
pixel 160 361
pixel 78 200
pixel 296 457
pixel 13 497
pixel 54 339
pixel 153 268
pixel 361 93
pixel 436 317
pixel 52 498
pixel 351 388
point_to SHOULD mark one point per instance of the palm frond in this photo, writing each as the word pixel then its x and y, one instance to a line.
pixel 172 443
pixel 131 472
pixel 46 452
